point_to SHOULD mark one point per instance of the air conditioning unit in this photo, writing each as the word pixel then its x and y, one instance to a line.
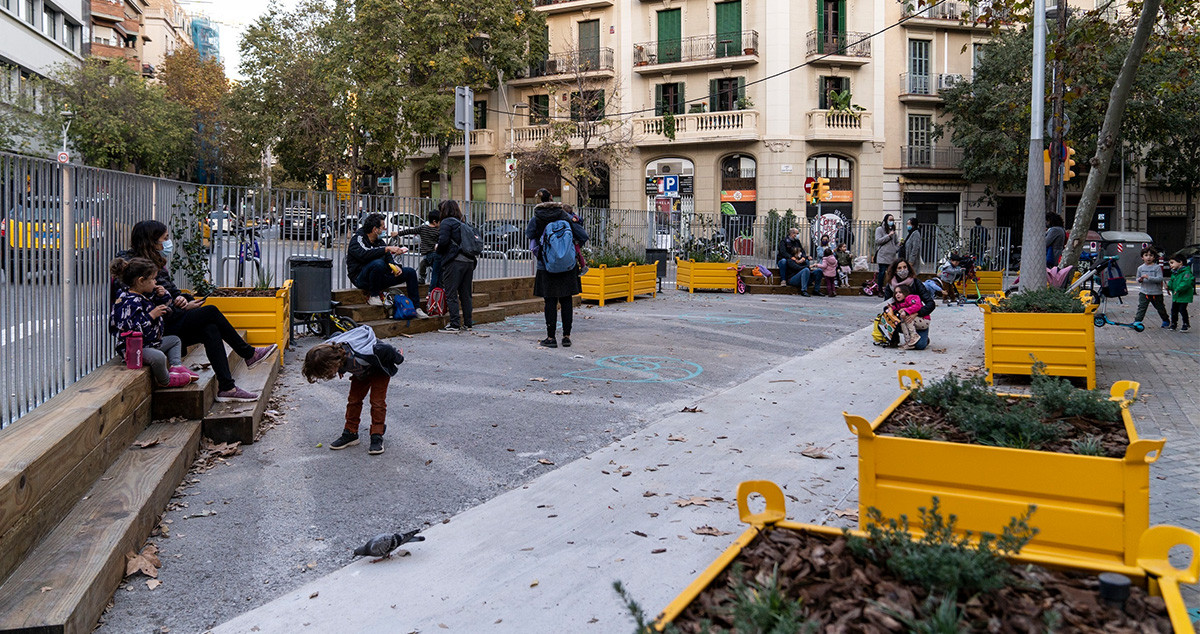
pixel 949 80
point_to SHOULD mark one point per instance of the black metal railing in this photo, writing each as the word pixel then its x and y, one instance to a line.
pixel 584 61
pixel 848 44
pixel 695 48
pixel 930 157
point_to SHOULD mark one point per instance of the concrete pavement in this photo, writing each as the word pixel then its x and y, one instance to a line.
pixel 543 557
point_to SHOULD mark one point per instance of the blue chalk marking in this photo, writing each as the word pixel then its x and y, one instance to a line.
pixel 630 368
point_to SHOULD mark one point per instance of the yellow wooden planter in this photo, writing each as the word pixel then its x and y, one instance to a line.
pixel 1090 509
pixel 1065 342
pixel 990 282
pixel 266 320
pixel 601 283
pixel 715 275
pixel 1150 571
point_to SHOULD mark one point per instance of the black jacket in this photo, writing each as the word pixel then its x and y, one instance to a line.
pixel 546 213
pixel 786 244
pixel 163 279
pixel 927 301
pixel 386 359
pixel 361 252
pixel 449 242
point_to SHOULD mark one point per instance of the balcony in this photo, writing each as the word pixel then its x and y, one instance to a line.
pixel 835 126
pixel 527 136
pixel 706 127
pixel 588 63
pixel 950 15
pixel 930 158
pixel 551 7
pixel 928 88
pixel 838 49
pixel 696 52
pixel 483 143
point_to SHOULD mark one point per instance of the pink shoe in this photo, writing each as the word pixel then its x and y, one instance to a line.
pixel 179 379
pixel 184 370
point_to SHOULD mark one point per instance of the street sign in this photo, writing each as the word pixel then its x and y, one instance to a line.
pixel 510 167
pixel 63 157
pixel 1120 248
pixel 464 108
pixel 808 184
pixel 670 186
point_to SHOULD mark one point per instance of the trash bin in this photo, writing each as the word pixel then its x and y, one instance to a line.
pixel 312 284
pixel 1127 246
pixel 659 257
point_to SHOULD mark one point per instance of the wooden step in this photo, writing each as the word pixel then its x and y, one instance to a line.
pixel 363 313
pixel 66 582
pixel 227 422
pixel 192 401
pixel 393 327
pixel 50 457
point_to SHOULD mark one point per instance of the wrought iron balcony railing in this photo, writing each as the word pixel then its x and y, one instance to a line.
pixel 695 48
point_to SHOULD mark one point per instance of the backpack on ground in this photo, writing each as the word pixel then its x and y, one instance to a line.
pixel 435 303
pixel 402 308
pixel 1112 281
pixel 558 247
pixel 470 243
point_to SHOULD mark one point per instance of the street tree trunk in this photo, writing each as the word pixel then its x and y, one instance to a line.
pixel 1106 143
pixel 444 169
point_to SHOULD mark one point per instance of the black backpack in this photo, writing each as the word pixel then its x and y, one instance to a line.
pixel 470 243
pixel 1112 281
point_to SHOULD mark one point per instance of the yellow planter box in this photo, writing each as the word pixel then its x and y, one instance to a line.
pixel 601 283
pixel 1090 508
pixel 990 282
pixel 715 275
pixel 266 320
pixel 1151 571
pixel 1065 342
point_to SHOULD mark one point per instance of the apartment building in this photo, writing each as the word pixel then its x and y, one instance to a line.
pixel 168 28
pixel 36 36
pixel 118 30
pixel 764 95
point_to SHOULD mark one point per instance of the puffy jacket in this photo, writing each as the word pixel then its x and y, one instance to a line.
pixel 1182 285
pixel 131 312
pixel 361 252
pixel 828 266
pixel 927 301
pixel 365 353
pixel 544 214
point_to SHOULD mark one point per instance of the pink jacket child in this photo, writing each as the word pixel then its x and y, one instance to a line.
pixel 828 266
pixel 911 304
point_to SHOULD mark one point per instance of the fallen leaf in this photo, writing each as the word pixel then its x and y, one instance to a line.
pixel 544 461
pixel 692 501
pixel 676 439
pixel 153 583
pixel 313 595
pixel 534 584
pixel 145 562
pixel 709 530
pixel 658 551
pixel 692 410
pixel 45 589
pixel 649 494
pixel 850 513
pixel 560 392
pixel 207 513
pixel 146 443
pixel 639 533
pixel 539 379
pixel 817 453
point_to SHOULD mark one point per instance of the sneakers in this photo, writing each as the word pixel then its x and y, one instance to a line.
pixel 1185 328
pixel 1173 326
pixel 375 300
pixel 347 439
pixel 548 342
pixel 236 395
pixel 566 341
pixel 1137 325
pixel 178 379
pixel 1166 324
pixel 805 294
pixel 448 329
pixel 421 314
pixel 260 354
pixel 376 444
pixel 179 369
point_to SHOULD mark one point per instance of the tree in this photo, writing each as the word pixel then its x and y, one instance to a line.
pixel 448 43
pixel 584 145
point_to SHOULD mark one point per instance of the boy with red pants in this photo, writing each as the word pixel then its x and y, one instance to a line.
pixel 371 366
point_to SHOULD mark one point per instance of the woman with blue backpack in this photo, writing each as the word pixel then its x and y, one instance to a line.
pixel 554 233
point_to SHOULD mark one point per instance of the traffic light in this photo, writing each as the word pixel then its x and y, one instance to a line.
pixel 821 191
pixel 329 182
pixel 1068 163
pixel 1046 167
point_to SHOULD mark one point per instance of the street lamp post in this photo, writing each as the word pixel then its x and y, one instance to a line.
pixel 67 117
pixel 1033 250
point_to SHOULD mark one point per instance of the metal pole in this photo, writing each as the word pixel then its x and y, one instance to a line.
pixel 67 251
pixel 1033 253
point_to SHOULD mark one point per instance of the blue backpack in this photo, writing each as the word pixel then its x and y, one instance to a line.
pixel 558 247
pixel 402 308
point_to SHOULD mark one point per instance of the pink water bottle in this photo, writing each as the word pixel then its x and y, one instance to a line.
pixel 133 349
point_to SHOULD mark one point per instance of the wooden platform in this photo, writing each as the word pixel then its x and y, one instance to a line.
pixel 192 401
pixel 228 422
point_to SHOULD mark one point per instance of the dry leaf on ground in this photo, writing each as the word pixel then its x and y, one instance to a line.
pixel 676 439
pixel 544 461
pixel 817 453
pixel 692 501
pixel 152 584
pixel 539 379
pixel 560 392
pixel 207 513
pixel 45 589
pixel 692 410
pixel 146 443
pixel 145 562
pixel 534 584
pixel 850 513
pixel 709 530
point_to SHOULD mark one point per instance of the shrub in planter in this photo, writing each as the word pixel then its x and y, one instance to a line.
pixel 1043 300
pixel 1047 325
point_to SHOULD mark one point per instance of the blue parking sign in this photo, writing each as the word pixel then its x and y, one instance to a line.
pixel 670 186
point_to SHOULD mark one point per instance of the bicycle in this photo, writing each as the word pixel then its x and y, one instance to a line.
pixel 323 325
pixel 249 252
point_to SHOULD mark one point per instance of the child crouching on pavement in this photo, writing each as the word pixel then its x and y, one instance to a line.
pixel 905 308
pixel 371 366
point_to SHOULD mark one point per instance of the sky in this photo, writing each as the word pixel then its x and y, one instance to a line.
pixel 232 17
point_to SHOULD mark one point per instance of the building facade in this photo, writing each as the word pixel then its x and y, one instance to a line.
pixel 37 36
pixel 764 95
pixel 118 30
pixel 168 28
pixel 206 38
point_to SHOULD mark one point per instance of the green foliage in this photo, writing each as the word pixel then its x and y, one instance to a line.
pixel 265 281
pixel 1056 397
pixel 668 123
pixel 919 431
pixel 1087 446
pixel 641 623
pixel 761 607
pixel 614 255
pixel 942 561
pixel 1049 299
pixel 843 101
pixel 191 258
pixel 937 615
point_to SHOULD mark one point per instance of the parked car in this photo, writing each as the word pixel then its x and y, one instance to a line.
pixel 501 235
pixel 297 223
pixel 32 236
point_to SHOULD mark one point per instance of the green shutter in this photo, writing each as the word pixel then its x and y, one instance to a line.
pixel 669 37
pixel 679 98
pixel 841 26
pixel 741 89
pixel 821 26
pixel 589 44
pixel 713 94
pixel 729 28
pixel 598 113
pixel 659 106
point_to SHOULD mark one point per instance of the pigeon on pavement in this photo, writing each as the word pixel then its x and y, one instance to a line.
pixel 383 544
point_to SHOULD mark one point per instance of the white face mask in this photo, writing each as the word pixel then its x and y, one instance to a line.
pixel 167 249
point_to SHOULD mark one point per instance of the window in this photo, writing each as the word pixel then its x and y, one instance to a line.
pixel 587 105
pixel 831 25
pixel 725 93
pixel 481 113
pixel 6 4
pixel 920 149
pixel 29 16
pixel 589 44
pixel 729 28
pixel 918 67
pixel 977 53
pixel 539 110
pixel 70 36
pixel 669 38
pixel 827 85
pixel 50 23
pixel 478 184
pixel 668 97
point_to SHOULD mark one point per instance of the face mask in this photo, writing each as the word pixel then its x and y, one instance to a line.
pixel 168 248
pixel 912 227
pixel 902 274
pixel 824 243
pixel 889 224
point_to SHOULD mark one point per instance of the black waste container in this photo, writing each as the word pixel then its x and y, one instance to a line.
pixel 312 283
pixel 659 257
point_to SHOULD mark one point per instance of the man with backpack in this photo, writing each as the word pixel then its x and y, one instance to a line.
pixel 369 264
pixel 460 246
pixel 554 234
